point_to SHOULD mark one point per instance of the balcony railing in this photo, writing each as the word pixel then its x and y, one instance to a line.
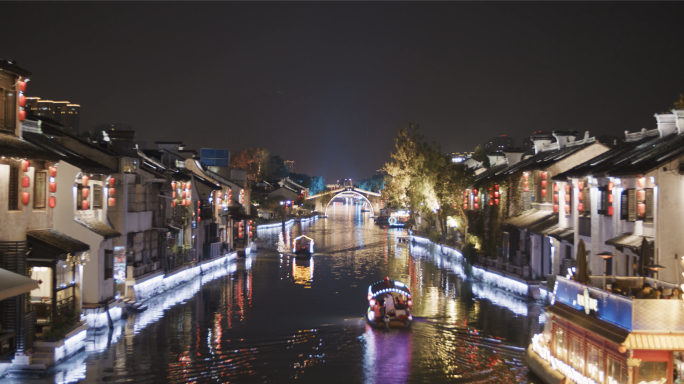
pixel 644 315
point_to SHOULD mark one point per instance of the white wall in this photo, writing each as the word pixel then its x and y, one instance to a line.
pixel 14 224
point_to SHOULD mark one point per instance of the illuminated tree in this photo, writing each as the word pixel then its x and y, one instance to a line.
pixel 317 185
pixel 251 160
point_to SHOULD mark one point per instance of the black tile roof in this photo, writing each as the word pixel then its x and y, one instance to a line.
pixel 12 146
pixel 539 161
pixel 630 158
pixel 66 154
pixel 11 66
pixel 57 241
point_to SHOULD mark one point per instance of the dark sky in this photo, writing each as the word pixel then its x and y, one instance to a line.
pixel 329 84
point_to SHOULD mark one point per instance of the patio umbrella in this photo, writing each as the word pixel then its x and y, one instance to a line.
pixel 582 274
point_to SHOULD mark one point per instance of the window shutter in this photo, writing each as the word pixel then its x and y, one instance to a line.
pixel 13 193
pixel 79 197
pixel 623 206
pixel 97 196
pixel 631 205
pixel 586 200
pixel 649 205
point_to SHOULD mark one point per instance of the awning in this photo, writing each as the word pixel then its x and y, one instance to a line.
pixel 97 226
pixel 172 228
pixel 666 342
pixel 563 234
pixel 13 284
pixel 629 241
pixel 55 241
pixel 546 226
pixel 529 219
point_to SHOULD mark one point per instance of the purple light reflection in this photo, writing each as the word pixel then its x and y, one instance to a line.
pixel 387 356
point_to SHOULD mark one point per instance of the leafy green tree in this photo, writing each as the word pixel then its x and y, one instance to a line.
pixel 317 185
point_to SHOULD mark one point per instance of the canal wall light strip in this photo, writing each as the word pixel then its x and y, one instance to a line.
pixel 274 225
pixel 500 298
pixel 506 283
pixel 100 319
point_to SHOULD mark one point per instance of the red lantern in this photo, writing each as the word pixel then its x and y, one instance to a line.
pixel 25 165
pixel 491 202
pixel 543 183
pixel 556 187
pixel 610 211
pixel 22 100
pixel 567 199
pixel 112 202
pixel 25 197
pixel 476 199
pixel 188 186
pixel 111 181
pixel 496 201
pixel 580 185
pixel 475 191
pixel 52 201
pixel 543 192
pixel 489 188
pixel 85 204
pixel 525 184
pixel 476 205
pixel 85 192
pixel 22 115
pixel 544 174
pixel 173 204
pixel 465 201
pixel 580 207
pixel 555 208
pixel 491 195
pixel 641 195
pixel 496 187
pixel 496 193
pixel 173 185
pixel 185 194
pixel 112 191
pixel 555 198
pixel 85 180
pixel 610 198
pixel 465 207
pixel 567 188
pixel 641 182
pixel 183 202
pixel 526 189
pixel 173 194
pixel 526 176
pixel 25 181
pixel 567 209
pixel 641 209
pixel 53 187
pixel 465 193
pixel 53 171
pixel 22 86
pixel 610 185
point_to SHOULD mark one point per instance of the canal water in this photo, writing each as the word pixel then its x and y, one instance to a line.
pixel 271 319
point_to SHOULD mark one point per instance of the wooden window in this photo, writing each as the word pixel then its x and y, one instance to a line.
pixel 39 190
pixel 617 373
pixel 624 211
pixel 13 193
pixel 586 201
pixel 594 362
pixel 648 218
pixel 576 355
pixel 8 108
pixel 560 349
pixel 97 196
pixel 631 205
pixel 109 264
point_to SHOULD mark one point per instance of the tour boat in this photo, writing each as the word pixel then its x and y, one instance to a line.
pixel 303 246
pixel 401 316
pixel 394 219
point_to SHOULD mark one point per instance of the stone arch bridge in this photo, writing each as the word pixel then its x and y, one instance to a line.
pixel 371 200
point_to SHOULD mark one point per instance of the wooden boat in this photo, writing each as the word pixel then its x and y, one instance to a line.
pixel 303 246
pixel 378 292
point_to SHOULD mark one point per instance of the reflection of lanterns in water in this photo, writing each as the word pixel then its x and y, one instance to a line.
pixel 302 271
pixel 386 353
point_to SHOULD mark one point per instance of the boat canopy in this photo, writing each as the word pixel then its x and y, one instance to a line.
pixel 388 285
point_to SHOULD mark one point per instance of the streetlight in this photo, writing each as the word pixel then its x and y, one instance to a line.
pixel 655 268
pixel 605 256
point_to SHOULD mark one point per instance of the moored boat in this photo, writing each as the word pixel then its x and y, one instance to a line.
pixel 389 304
pixel 302 246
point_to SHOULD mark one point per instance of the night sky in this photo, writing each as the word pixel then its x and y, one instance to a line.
pixel 329 84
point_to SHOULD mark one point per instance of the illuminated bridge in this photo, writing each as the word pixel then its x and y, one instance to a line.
pixel 370 200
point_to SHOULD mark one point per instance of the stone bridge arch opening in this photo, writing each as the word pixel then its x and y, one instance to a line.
pixel 345 192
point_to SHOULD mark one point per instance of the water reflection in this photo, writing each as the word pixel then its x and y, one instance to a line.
pixel 252 321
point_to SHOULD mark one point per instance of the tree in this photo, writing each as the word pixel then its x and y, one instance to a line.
pixel 480 154
pixel 400 169
pixel 317 185
pixel 276 168
pixel 679 104
pixel 251 160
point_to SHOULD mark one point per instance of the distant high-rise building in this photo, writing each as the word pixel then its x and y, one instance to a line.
pixel 499 143
pixel 63 112
pixel 290 165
